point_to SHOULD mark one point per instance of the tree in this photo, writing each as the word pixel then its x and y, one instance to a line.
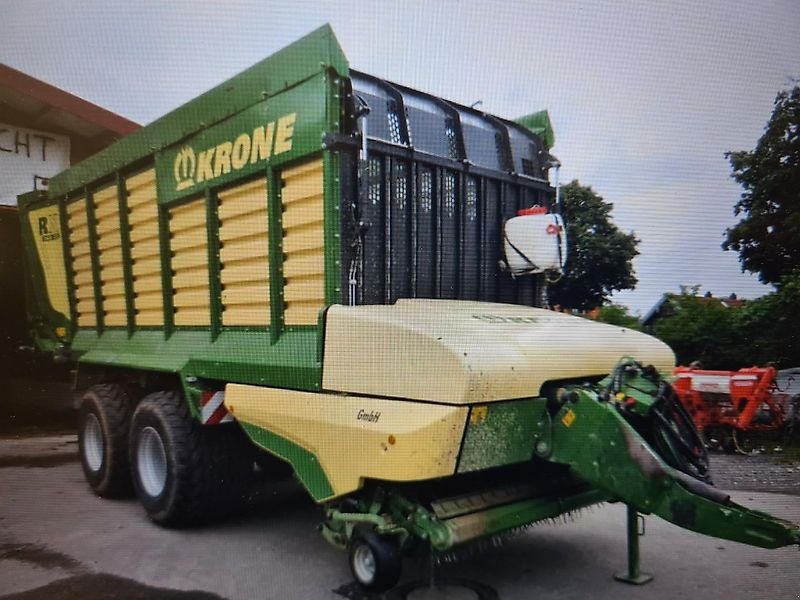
pixel 770 327
pixel 599 257
pixel 702 329
pixel 616 314
pixel 766 238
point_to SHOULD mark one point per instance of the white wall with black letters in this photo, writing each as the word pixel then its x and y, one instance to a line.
pixel 25 153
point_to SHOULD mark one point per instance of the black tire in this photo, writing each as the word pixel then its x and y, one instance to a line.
pixel 375 561
pixel 184 473
pixel 103 424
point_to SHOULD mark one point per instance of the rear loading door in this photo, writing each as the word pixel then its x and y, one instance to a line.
pixel 44 271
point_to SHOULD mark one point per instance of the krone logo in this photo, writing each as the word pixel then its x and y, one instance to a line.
pixel 185 167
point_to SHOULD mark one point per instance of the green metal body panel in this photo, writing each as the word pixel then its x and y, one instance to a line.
pixel 539 123
pixel 234 356
pixel 593 437
pixel 284 69
pixel 298 89
pixel 306 466
pixel 499 434
pixel 193 165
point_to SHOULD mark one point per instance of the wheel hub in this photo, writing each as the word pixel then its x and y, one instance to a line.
pixel 151 462
pixel 93 443
pixel 364 564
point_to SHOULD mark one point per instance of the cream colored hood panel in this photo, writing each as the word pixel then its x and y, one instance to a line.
pixel 464 352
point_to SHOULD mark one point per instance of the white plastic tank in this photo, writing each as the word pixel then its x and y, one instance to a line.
pixel 535 241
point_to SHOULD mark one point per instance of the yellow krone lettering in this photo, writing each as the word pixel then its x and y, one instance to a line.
pixel 265 141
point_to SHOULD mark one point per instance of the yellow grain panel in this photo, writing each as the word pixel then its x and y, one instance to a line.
pixel 192 316
pixel 111 260
pixel 87 320
pixel 150 318
pixel 303 265
pixel 107 210
pixel 148 297
pixel 114 304
pixel 108 226
pixel 241 207
pixel 77 208
pixel 82 263
pixel 144 201
pixel 109 243
pixel 303 243
pixel 190 278
pixel 147 283
pixel 193 238
pixel 82 279
pixel 86 313
pixel 187 216
pixel 115 319
pixel 195 297
pixel 189 264
pixel 114 288
pixel 149 301
pixel 84 291
pixel 246 315
pixel 255 186
pixel 78 250
pixel 302 313
pixel 250 270
pixel 145 178
pixel 300 188
pixel 147 265
pixel 78 235
pixel 303 290
pixel 140 217
pixel 190 258
pixel 141 254
pixel 105 194
pixel 243 199
pixel 302 181
pixel 249 293
pixel 304 238
pixel 302 213
pixel 243 250
pixel 148 230
pixel 147 247
pixel 243 227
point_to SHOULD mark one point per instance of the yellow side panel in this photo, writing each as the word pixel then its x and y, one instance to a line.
pixel 109 246
pixel 82 281
pixel 244 262
pixel 238 250
pixel 45 226
pixel 148 299
pixel 303 243
pixel 355 438
pixel 145 231
pixel 148 284
pixel 191 301
pixel 249 294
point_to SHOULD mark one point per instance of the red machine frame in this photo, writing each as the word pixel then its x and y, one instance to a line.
pixel 734 401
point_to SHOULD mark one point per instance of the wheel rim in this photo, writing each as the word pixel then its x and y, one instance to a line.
pixel 93 443
pixel 151 462
pixel 364 563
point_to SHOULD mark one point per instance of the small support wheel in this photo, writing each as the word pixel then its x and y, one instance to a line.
pixel 375 560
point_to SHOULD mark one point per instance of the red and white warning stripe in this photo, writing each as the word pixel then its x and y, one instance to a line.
pixel 213 409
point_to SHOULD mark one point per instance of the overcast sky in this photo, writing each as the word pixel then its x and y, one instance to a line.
pixel 645 97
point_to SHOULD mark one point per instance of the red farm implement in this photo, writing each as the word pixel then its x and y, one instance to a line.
pixel 728 405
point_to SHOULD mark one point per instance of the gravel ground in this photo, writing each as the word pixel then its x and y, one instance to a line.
pixel 764 472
